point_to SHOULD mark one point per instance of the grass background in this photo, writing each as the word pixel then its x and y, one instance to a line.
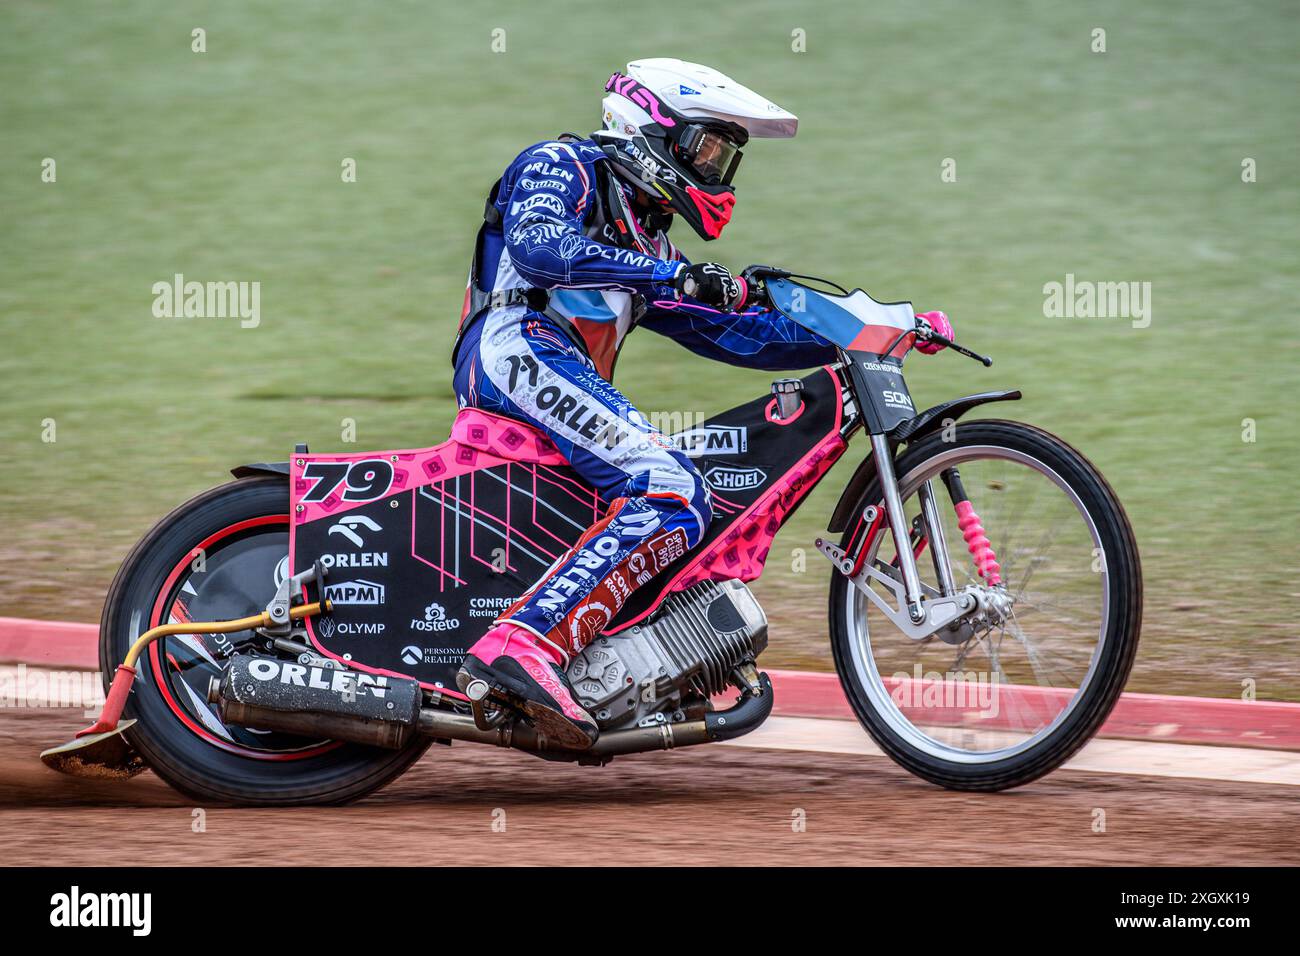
pixel 225 165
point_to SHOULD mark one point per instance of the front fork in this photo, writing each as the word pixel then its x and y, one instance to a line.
pixel 922 610
pixel 898 524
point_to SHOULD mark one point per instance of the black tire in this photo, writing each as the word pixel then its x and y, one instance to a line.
pixel 1123 620
pixel 189 763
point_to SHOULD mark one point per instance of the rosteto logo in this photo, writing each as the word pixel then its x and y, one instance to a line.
pixel 435 619
pixel 355 592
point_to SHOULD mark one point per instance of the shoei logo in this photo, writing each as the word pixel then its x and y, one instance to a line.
pixel 347 527
pixel 435 619
pixel 713 440
pixel 355 592
pixel 722 478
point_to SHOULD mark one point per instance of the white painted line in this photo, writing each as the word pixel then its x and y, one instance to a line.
pixel 1142 757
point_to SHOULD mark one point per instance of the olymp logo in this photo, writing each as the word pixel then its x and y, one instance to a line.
pixel 355 592
pixel 75 908
pixel 712 440
pixel 723 478
pixel 327 627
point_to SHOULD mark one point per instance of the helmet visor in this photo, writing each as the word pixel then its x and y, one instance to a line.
pixel 713 155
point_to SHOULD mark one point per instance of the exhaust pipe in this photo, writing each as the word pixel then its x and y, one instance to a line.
pixel 311 700
pixel 736 721
pixel 314 701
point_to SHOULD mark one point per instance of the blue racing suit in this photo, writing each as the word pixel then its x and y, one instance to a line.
pixel 563 223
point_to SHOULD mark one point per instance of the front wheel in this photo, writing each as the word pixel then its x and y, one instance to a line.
pixel 1009 693
pixel 219 556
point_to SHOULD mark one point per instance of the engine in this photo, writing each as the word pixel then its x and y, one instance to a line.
pixel 653 672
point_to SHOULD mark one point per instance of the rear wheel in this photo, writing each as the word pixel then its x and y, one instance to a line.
pixel 220 556
pixel 1012 693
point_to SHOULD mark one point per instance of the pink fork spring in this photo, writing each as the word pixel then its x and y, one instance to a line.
pixel 986 562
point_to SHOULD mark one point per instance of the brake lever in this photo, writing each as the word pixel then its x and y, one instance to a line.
pixel 755 277
pixel 764 272
pixel 949 343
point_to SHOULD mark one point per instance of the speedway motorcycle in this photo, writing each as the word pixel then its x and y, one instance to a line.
pixel 292 636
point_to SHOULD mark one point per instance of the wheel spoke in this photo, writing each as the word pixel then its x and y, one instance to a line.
pixel 1043 535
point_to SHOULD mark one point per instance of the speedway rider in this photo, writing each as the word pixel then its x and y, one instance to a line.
pixel 573 252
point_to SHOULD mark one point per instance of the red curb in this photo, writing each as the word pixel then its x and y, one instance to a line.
pixel 49 643
pixel 1194 720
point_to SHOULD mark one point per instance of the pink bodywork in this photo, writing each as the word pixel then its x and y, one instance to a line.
pixel 479 439
pixel 482 440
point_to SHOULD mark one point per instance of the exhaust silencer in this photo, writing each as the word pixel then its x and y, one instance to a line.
pixel 310 700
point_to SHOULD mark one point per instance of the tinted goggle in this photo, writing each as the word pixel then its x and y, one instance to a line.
pixel 710 153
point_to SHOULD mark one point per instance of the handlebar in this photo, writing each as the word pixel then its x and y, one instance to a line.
pixel 756 275
pixel 949 343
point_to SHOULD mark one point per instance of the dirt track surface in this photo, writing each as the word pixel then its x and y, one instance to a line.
pixel 709 805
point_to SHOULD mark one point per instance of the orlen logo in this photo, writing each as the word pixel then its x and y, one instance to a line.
pixel 355 592
pixel 713 440
pixel 320 678
pixel 722 478
pixel 435 619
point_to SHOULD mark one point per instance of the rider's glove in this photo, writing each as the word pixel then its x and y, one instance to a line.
pixel 936 322
pixel 713 285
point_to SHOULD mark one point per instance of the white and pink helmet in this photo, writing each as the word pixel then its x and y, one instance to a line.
pixel 676 128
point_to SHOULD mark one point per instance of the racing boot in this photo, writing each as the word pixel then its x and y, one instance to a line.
pixel 529 673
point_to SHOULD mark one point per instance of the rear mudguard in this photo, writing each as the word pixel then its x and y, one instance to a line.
pixel 280 468
pixel 913 429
